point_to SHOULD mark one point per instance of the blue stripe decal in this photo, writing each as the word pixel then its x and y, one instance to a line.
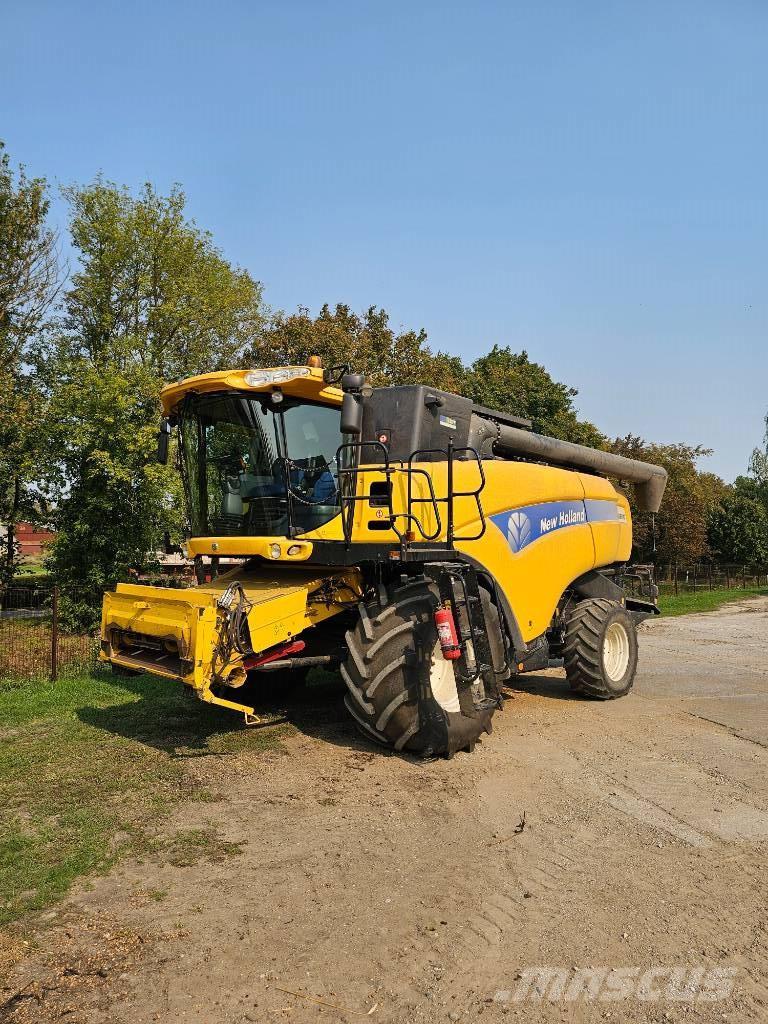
pixel 599 511
pixel 523 526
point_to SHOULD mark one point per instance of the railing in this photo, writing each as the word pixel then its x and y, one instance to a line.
pixel 410 522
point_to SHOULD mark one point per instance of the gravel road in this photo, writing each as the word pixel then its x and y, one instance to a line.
pixel 373 881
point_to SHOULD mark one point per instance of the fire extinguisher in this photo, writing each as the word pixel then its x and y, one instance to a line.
pixel 446 633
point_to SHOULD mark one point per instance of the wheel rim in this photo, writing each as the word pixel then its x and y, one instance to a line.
pixel 615 652
pixel 442 681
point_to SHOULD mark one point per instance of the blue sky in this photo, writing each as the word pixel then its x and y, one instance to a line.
pixel 587 181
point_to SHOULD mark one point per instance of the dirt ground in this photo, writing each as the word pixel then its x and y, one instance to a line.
pixel 404 891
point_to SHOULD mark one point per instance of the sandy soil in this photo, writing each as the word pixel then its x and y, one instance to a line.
pixel 373 881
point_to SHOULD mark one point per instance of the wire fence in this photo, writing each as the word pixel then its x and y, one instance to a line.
pixel 34 644
pixel 37 643
pixel 684 579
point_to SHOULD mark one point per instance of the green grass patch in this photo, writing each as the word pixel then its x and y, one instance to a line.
pixel 88 767
pixel 189 846
pixel 705 600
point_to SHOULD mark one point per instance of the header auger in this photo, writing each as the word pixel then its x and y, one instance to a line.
pixel 428 547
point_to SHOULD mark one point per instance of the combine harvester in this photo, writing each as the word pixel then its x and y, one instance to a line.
pixel 429 547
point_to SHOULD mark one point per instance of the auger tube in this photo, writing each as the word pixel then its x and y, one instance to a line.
pixel 649 481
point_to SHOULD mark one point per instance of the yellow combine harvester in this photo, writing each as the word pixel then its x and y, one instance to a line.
pixel 429 547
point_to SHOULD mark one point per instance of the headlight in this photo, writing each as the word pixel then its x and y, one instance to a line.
pixel 274 550
pixel 257 378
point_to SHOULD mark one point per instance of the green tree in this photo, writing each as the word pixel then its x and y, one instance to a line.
pixel 758 464
pixel 755 484
pixel 29 276
pixel 680 527
pixel 501 380
pixel 510 382
pixel 114 500
pixel 153 300
pixel 366 343
pixel 152 288
pixel 738 530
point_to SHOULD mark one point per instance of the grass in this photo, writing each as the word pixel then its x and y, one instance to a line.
pixel 189 846
pixel 686 603
pixel 30 571
pixel 89 766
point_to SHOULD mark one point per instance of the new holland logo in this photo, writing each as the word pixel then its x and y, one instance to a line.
pixel 524 526
pixel 518 530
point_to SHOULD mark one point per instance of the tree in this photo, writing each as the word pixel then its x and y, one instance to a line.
pixel 115 501
pixel 501 380
pixel 738 530
pixel 679 529
pixel 152 287
pixel 758 464
pixel 510 382
pixel 29 276
pixel 755 485
pixel 153 300
pixel 367 343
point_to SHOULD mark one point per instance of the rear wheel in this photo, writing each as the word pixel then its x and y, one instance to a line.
pixel 402 691
pixel 600 649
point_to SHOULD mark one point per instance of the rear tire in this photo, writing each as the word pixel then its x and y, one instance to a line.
pixel 600 649
pixel 394 660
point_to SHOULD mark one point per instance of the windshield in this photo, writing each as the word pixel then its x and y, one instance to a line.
pixel 254 468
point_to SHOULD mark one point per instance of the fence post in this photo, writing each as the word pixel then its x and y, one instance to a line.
pixel 709 567
pixel 743 577
pixel 675 579
pixel 54 634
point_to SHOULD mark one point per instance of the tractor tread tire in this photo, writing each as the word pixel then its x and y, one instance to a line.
pixel 583 649
pixel 386 669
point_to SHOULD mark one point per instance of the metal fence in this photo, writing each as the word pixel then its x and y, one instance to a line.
pixel 683 579
pixel 33 642
pixel 36 644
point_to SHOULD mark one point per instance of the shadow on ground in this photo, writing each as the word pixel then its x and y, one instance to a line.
pixel 167 716
pixel 553 687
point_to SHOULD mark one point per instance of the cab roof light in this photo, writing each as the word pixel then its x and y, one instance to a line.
pixel 257 378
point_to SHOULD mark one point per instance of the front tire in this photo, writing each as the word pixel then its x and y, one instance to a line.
pixel 600 649
pixel 402 693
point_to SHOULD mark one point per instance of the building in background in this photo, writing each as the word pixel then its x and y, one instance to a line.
pixel 32 540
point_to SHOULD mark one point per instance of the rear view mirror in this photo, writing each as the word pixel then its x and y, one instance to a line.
pixel 351 414
pixel 355 390
pixel 163 439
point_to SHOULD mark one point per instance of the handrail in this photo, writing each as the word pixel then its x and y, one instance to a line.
pixel 349 500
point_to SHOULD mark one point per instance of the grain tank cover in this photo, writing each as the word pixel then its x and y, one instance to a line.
pixel 414 418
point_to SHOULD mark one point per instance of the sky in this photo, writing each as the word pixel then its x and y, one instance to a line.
pixel 586 181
